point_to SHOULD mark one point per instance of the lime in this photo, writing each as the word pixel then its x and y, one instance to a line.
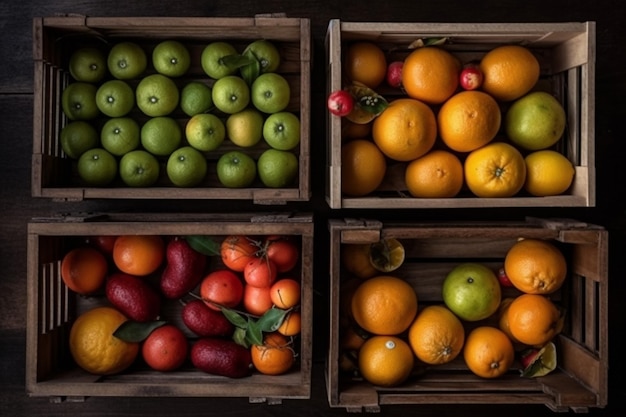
pixel 78 101
pixel 88 64
pixel 245 128
pixel 472 291
pixel 205 132
pixel 139 168
pixel 157 95
pixel 97 167
pixel 120 135
pixel 186 167
pixel 212 59
pixel 277 168
pixel 115 98
pixel 171 58
pixel 236 169
pixel 195 98
pixel 78 137
pixel 126 60
pixel 387 255
pixel 161 135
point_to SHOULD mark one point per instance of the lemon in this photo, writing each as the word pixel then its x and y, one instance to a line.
pixel 548 173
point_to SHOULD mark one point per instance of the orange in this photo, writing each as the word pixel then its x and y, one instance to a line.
pixel 437 335
pixel 256 300
pixel 495 170
pixel 535 266
pixel 548 172
pixel 355 258
pixel 237 250
pixel 386 360
pixel 351 130
pixel 384 305
pixel 488 352
pixel 431 74
pixel 534 319
pixel 138 254
pixel 365 62
pixel 84 270
pixel 503 318
pixel 438 174
pixel 285 293
pixel 469 120
pixel 292 324
pixel 275 356
pixel 509 71
pixel 405 130
pixel 363 167
pixel 93 346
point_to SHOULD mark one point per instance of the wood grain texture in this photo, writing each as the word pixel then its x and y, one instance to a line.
pixel 17 206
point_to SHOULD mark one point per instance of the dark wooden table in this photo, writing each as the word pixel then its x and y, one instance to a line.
pixel 16 103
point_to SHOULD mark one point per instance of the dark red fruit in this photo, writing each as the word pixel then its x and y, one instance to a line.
pixel 184 269
pixel 221 357
pixel 205 321
pixel 133 296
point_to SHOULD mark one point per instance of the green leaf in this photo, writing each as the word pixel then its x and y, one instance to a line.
pixel 272 319
pixel 373 104
pixel 134 331
pixel 206 245
pixel 251 71
pixel 254 334
pixel 239 337
pixel 235 318
pixel 236 61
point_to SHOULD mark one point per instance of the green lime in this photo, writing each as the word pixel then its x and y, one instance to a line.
pixel 277 168
pixel 97 167
pixel 88 64
pixel 78 101
pixel 139 168
pixel 195 98
pixel 186 167
pixel 236 169
pixel 120 135
pixel 78 137
pixel 126 60
pixel 171 58
pixel 205 132
pixel 115 98
pixel 157 95
pixel 245 128
pixel 161 135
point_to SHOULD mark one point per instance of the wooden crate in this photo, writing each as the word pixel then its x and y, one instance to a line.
pixel 52 308
pixel 566 52
pixel 432 250
pixel 54 175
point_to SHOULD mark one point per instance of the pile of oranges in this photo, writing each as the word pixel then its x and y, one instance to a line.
pixel 266 277
pixel 387 336
pixel 448 137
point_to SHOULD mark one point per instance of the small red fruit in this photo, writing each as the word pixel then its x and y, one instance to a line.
pixel 394 74
pixel 504 279
pixel 340 103
pixel 471 77
pixel 165 349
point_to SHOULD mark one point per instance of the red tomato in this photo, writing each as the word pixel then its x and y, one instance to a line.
pixel 260 272
pixel 237 251
pixel 283 252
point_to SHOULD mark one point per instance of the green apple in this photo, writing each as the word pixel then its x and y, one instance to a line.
pixel 157 95
pixel 230 94
pixel 126 60
pixel 205 132
pixel 236 169
pixel 77 138
pixel 270 93
pixel 186 167
pixel 139 168
pixel 78 101
pixel 535 121
pixel 120 135
pixel 282 130
pixel 97 167
pixel 212 59
pixel 171 58
pixel 277 169
pixel 88 64
pixel 115 98
pixel 472 291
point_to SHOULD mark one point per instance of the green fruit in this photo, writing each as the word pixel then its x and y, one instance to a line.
pixel 270 93
pixel 161 135
pixel 171 58
pixel 472 291
pixel 277 169
pixel 139 168
pixel 78 137
pixel 245 128
pixel 126 60
pixel 212 59
pixel 230 94
pixel 120 135
pixel 97 167
pixel 205 132
pixel 535 121
pixel 186 167
pixel 157 95
pixel 282 131
pixel 115 98
pixel 236 170
pixel 88 65
pixel 78 101
pixel 195 98
pixel 265 53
